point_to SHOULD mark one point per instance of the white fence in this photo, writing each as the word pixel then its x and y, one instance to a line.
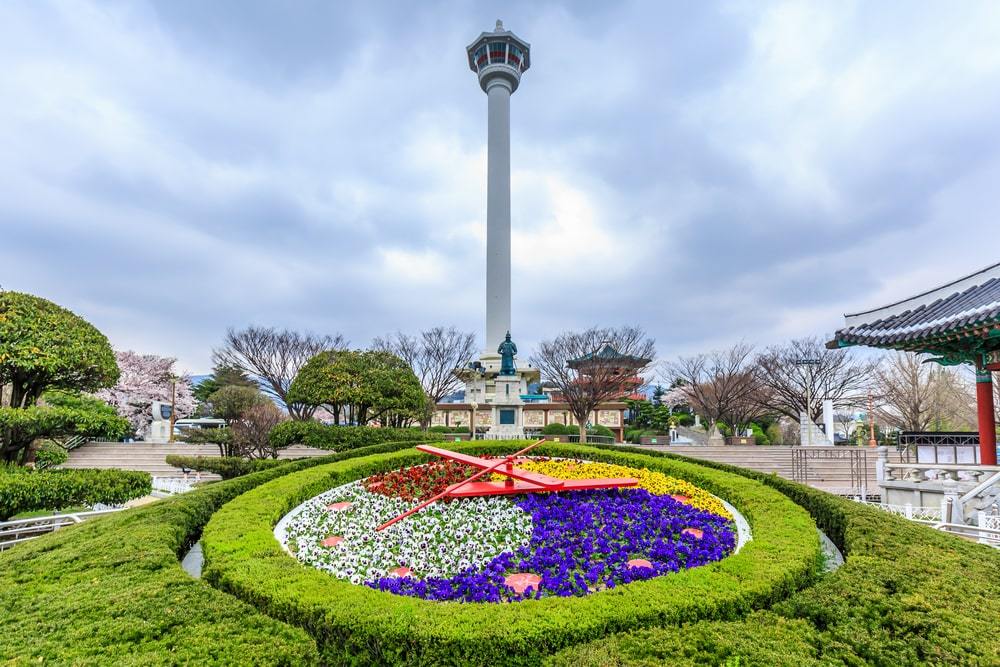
pixel 986 531
pixel 22 530
pixel 174 485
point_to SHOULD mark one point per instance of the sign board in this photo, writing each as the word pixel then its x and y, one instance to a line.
pixel 609 418
pixel 533 418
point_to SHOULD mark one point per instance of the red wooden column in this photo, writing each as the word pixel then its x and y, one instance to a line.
pixel 987 418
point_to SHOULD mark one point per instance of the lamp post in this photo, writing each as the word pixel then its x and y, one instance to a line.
pixel 871 423
pixel 474 406
pixel 809 364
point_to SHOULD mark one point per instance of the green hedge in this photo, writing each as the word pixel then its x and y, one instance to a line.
pixel 358 625
pixel 343 438
pixel 226 467
pixel 26 490
pixel 111 591
pixel 907 595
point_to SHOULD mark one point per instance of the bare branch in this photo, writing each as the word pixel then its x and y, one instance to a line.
pixel 840 376
pixel 273 358
pixel 723 386
pixel 586 384
pixel 918 396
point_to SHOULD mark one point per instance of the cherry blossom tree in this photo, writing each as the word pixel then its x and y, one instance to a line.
pixel 146 378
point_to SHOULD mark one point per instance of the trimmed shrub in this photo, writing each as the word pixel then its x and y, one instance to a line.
pixel 50 455
pixel 907 595
pixel 26 490
pixel 448 429
pixel 601 430
pixel 110 591
pixel 556 428
pixel 343 438
pixel 226 467
pixel 358 625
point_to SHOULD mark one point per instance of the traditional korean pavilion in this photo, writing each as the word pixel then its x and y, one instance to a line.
pixel 956 323
pixel 608 361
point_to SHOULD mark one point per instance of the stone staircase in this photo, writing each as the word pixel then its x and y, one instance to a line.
pixel 828 474
pixel 819 436
pixel 151 457
pixel 696 435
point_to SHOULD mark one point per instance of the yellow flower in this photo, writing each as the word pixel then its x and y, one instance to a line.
pixel 655 482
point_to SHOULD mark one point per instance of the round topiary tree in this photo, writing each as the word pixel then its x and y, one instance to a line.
pixel 233 401
pixel 366 385
pixel 45 347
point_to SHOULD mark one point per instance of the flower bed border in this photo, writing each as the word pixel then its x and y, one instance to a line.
pixel 357 625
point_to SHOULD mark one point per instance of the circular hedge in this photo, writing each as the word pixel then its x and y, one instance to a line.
pixel 355 624
pixel 111 591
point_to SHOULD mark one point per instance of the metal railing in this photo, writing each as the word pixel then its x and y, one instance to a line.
pixel 983 535
pixel 591 439
pixel 939 447
pixel 804 460
pixel 22 530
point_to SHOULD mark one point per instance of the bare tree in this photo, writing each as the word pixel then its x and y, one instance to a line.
pixel 273 358
pixel 840 376
pixel 919 396
pixel 846 423
pixel 724 386
pixel 593 366
pixel 250 432
pixel 433 355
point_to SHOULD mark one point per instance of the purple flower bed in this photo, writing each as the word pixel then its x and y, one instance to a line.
pixel 582 542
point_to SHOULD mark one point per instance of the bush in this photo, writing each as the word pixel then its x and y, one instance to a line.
pixel 222 437
pixel 50 455
pixel 759 435
pixel 226 467
pixel 342 438
pixel 684 419
pixel 448 429
pixel 907 595
pixel 358 625
pixel 111 591
pixel 25 490
pixel 601 430
pixel 559 429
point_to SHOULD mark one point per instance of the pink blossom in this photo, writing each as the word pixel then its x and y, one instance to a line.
pixel 146 378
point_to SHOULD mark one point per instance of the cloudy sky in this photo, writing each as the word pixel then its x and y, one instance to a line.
pixel 711 171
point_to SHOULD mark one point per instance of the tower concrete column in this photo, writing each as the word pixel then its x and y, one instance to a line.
pixel 498 58
pixel 498 214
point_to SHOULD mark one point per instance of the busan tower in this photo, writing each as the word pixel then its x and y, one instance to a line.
pixel 499 58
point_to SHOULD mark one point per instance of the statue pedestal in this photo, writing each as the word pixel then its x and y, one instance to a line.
pixel 495 384
pixel 507 403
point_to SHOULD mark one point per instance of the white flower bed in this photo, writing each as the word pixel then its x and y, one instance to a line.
pixel 439 541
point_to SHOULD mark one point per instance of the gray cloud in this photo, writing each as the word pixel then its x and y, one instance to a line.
pixel 712 172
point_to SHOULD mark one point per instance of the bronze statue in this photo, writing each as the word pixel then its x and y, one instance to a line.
pixel 507 350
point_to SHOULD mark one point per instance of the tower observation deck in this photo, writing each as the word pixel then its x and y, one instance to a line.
pixel 498 58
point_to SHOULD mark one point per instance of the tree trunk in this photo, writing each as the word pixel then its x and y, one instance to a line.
pixel 583 432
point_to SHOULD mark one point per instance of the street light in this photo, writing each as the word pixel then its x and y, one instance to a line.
pixel 872 442
pixel 809 363
pixel 474 407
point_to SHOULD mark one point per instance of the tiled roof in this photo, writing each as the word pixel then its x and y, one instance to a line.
pixel 957 310
pixel 608 353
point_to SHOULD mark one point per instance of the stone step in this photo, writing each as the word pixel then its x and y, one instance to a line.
pixel 151 457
